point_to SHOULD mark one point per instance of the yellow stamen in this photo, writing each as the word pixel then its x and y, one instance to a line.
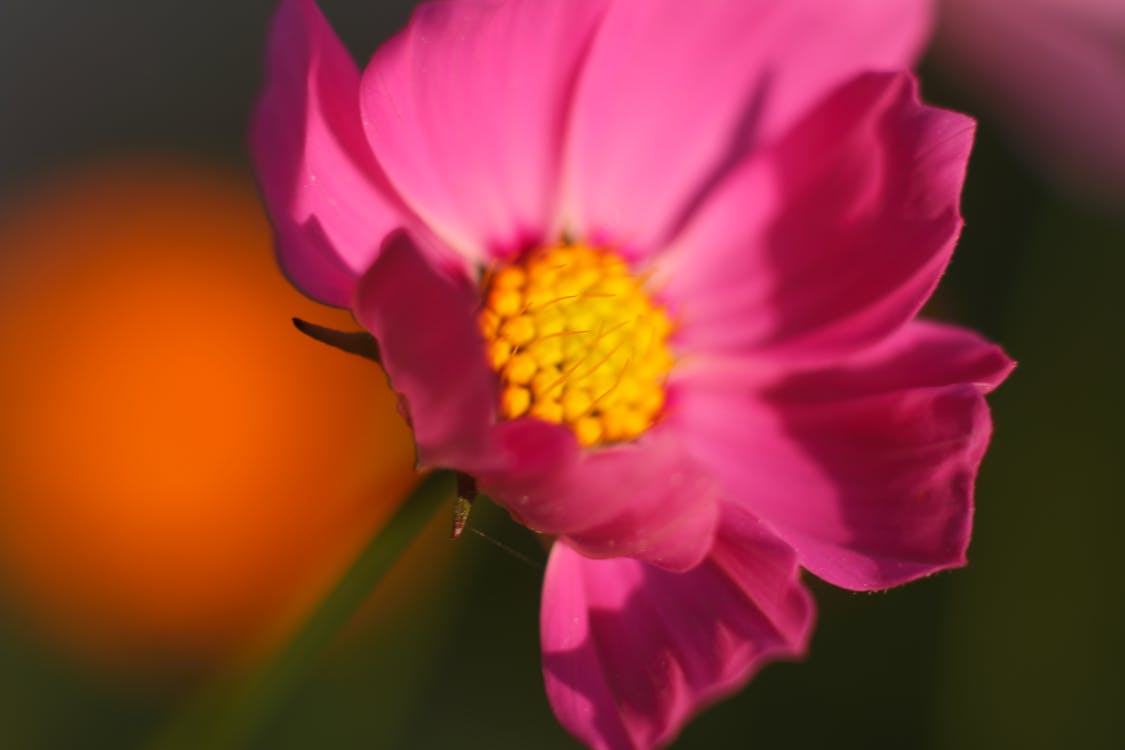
pixel 575 339
pixel 515 400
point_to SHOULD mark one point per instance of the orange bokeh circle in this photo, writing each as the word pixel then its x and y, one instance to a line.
pixel 182 474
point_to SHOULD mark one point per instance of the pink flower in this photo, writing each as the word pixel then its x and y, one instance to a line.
pixel 650 273
pixel 1053 71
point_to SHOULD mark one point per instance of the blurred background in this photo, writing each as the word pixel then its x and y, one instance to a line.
pixel 182 475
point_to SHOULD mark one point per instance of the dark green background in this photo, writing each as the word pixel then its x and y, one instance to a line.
pixel 1024 648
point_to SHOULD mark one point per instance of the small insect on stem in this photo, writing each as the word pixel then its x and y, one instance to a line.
pixel 463 504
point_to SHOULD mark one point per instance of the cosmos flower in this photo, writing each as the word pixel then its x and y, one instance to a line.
pixel 649 272
pixel 1053 73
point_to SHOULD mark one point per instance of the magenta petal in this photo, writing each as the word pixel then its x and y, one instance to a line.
pixel 330 206
pixel 867 469
pixel 466 111
pixel 708 85
pixel 630 652
pixel 425 323
pixel 831 241
pixel 647 499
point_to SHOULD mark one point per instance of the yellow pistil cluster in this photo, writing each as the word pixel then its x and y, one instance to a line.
pixel 576 340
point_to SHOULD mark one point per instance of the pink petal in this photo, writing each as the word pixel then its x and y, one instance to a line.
pixel 832 240
pixel 1053 71
pixel 330 206
pixel 425 322
pixel 867 468
pixel 630 652
pixel 646 499
pixel 466 111
pixel 707 84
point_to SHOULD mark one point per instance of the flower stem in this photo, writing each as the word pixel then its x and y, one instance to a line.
pixel 237 718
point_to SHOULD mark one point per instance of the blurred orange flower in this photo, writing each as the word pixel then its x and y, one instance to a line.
pixel 182 474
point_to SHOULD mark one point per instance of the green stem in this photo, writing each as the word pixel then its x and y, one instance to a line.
pixel 223 720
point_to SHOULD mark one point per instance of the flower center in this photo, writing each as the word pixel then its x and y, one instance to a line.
pixel 576 340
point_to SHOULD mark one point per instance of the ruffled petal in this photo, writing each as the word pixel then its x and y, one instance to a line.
pixel 466 111
pixel 709 86
pixel 831 241
pixel 425 322
pixel 647 499
pixel 330 206
pixel 630 652
pixel 866 469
